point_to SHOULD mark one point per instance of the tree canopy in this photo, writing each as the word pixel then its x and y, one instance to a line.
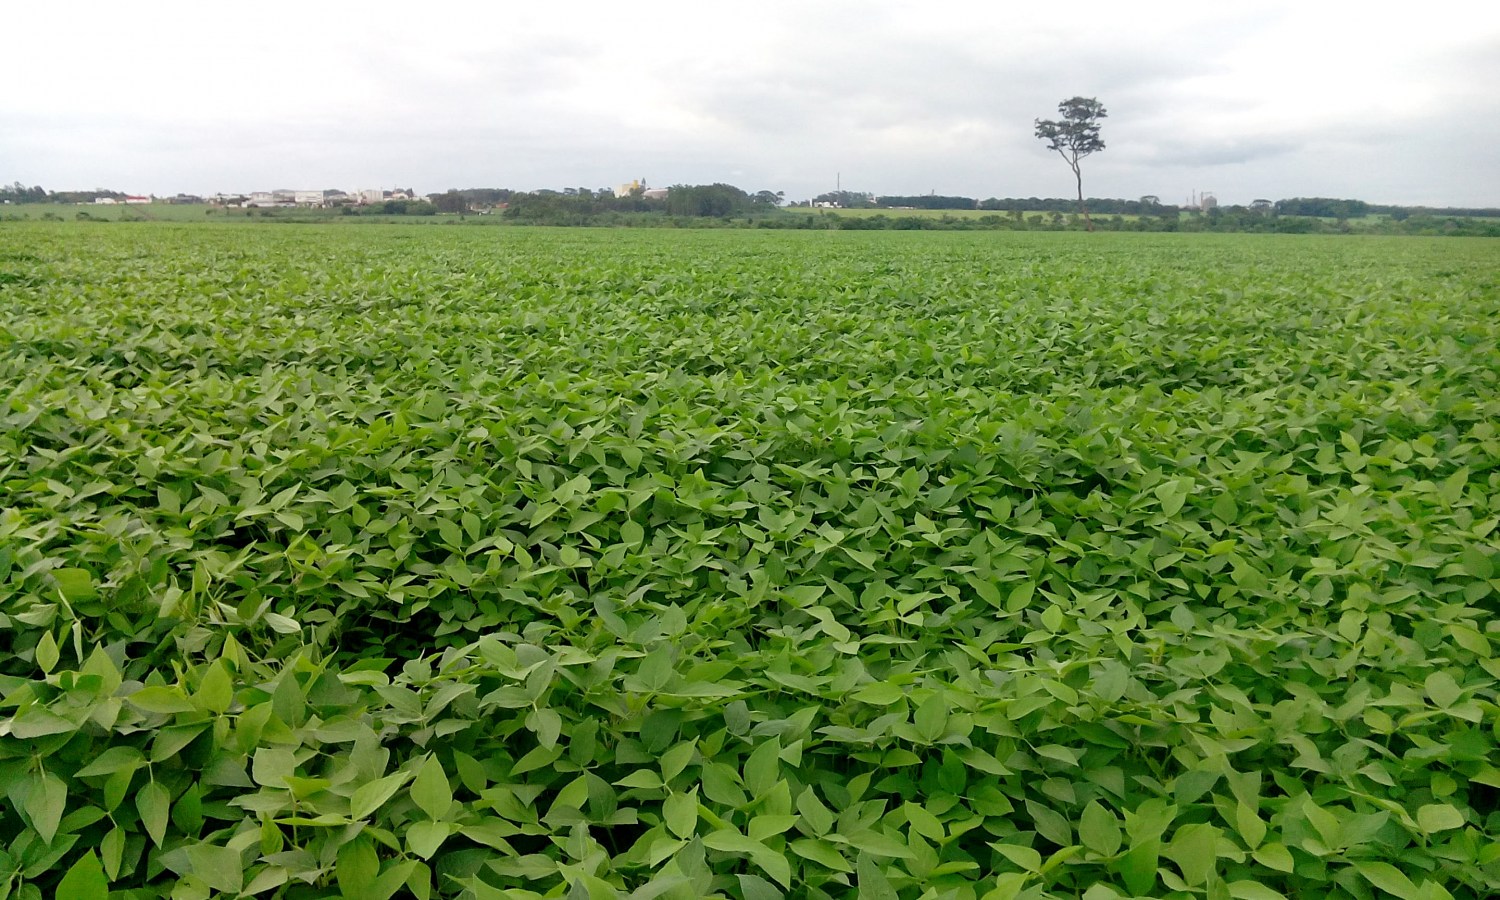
pixel 1075 136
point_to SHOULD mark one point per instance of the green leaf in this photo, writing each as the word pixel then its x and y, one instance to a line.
pixel 770 825
pixel 266 879
pixel 923 822
pixel 763 768
pixel 721 785
pixel 431 791
pixel 219 867
pixel 1275 856
pixel 155 805
pixel 873 885
pixel 1008 886
pixel 880 693
pixel 162 700
pixel 84 881
pixel 46 653
pixel 1443 690
pixel 1435 817
pixel 575 795
pixel 1172 498
pixel 677 759
pixel 1324 822
pixel 1111 682
pixel 1193 848
pixel 215 691
pixel 1477 563
pixel 548 726
pixel 1025 858
pixel 171 740
pixel 1251 829
pixel 821 852
pixel 817 816
pixel 1050 824
pixel 754 887
pixel 731 841
pixel 931 718
pixel 644 779
pixel 680 812
pixel 357 867
pixel 114 759
pixel 1099 830
pixel 373 795
pixel 1253 890
pixel 655 672
pixel 39 721
pixel 879 844
pixel 1138 867
pixel 1389 879
pixel 112 852
pixel 75 585
pixel 46 803
pixel 424 838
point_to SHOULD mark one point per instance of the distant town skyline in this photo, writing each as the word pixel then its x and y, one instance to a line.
pixel 1247 101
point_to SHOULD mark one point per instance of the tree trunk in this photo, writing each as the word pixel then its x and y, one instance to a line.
pixel 1089 223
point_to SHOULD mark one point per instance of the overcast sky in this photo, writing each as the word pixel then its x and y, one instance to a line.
pixel 1387 102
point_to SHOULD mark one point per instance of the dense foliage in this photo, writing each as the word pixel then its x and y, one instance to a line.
pixel 508 563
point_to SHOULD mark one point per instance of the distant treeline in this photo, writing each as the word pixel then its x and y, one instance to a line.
pixel 567 207
pixel 725 205
pixel 20 193
pixel 1320 207
pixel 1231 220
pixel 929 201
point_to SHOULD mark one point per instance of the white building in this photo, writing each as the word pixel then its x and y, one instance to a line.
pixel 308 198
pixel 374 195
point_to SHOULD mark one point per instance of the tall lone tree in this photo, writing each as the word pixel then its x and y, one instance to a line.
pixel 1075 136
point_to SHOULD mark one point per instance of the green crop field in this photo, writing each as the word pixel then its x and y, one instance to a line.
pixel 894 213
pixel 107 212
pixel 937 213
pixel 510 563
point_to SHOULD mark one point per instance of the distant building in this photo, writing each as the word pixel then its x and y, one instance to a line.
pixel 374 195
pixel 307 198
pixel 134 199
pixel 655 193
pixel 625 190
pixel 106 201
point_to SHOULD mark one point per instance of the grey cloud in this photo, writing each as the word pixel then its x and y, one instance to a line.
pixel 1216 152
pixel 897 99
